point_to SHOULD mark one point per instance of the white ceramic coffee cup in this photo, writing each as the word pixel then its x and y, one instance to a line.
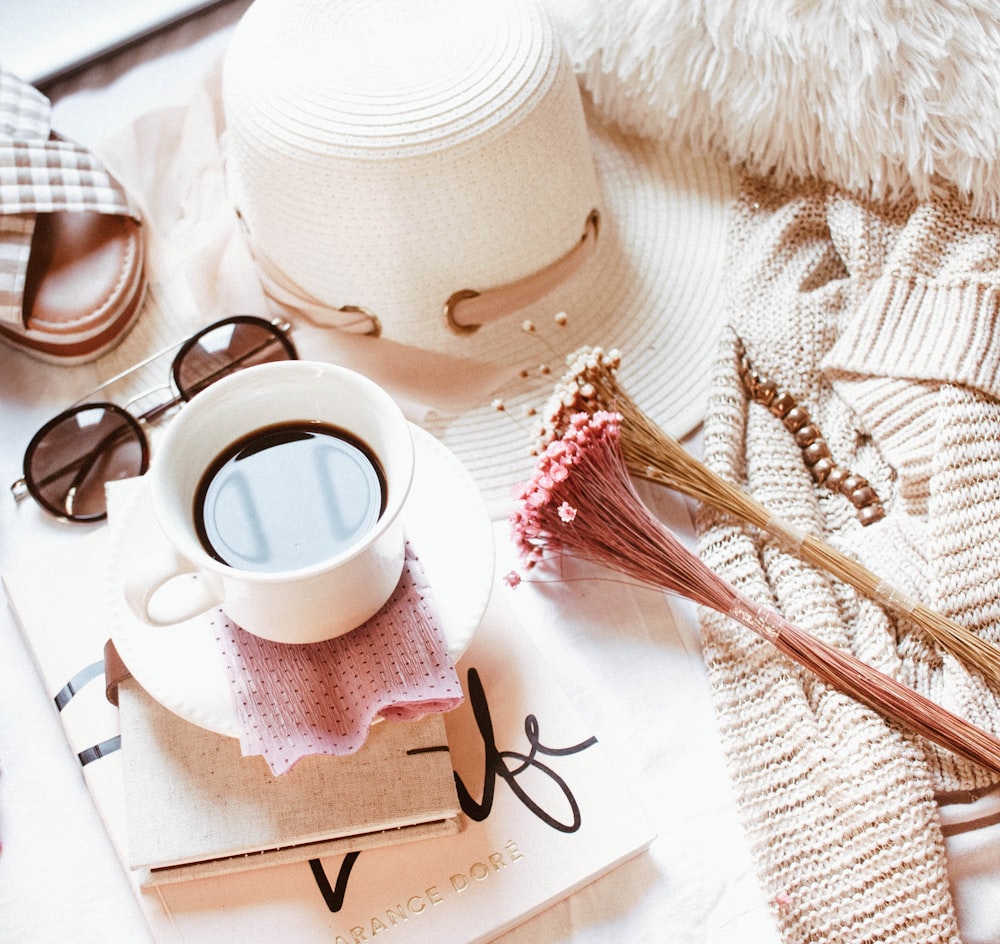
pixel 307 604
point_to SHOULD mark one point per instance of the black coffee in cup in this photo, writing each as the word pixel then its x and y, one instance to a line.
pixel 288 496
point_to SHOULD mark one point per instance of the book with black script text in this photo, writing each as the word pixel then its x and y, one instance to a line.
pixel 541 811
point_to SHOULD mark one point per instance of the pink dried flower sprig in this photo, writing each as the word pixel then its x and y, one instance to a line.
pixel 580 500
pixel 592 384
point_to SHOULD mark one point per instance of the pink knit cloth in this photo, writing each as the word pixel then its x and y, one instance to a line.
pixel 321 698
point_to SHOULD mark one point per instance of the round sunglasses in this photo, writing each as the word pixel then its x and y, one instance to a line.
pixel 74 455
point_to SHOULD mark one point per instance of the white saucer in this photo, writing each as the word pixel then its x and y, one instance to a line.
pixel 181 666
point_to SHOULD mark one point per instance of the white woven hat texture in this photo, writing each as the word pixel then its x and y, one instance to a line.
pixel 385 154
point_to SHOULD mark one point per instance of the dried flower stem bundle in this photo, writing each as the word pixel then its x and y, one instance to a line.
pixel 581 500
pixel 591 384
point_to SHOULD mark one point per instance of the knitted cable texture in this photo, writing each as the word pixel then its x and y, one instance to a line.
pixel 883 323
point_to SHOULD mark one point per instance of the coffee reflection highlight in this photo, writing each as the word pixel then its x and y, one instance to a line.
pixel 288 496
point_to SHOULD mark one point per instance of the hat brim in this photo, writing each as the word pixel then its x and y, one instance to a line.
pixel 653 290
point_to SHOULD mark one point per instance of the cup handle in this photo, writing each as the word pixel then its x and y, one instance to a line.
pixel 160 566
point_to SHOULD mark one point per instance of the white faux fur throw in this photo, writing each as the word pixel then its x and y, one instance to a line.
pixel 879 97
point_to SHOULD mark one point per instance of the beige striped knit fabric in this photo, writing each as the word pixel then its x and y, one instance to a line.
pixel 883 323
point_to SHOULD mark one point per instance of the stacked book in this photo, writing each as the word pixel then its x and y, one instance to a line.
pixel 454 827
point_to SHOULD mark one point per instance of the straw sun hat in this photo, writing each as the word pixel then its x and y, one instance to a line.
pixel 425 170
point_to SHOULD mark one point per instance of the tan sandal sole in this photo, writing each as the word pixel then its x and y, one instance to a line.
pixel 84 289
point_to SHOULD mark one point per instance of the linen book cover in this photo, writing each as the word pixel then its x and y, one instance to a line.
pixel 222 807
pixel 542 812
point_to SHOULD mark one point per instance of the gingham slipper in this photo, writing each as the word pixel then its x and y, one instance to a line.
pixel 71 243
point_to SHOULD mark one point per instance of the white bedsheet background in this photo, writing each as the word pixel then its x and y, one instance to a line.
pixel 628 658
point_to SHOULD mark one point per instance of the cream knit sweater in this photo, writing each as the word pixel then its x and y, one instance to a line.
pixel 883 323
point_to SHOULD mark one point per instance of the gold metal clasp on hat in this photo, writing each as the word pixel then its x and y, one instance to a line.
pixel 467 310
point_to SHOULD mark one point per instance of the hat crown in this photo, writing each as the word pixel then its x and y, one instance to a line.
pixel 395 77
pixel 388 153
